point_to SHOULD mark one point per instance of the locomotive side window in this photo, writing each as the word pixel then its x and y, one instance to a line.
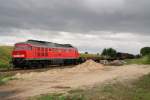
pixel 53 49
pixel 67 50
pixel 38 48
pixel 42 49
pixel 46 51
pixel 58 50
pixel 64 50
pixel 49 49
pixel 70 50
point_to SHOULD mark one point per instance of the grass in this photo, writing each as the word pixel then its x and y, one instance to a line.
pixel 57 97
pixel 138 90
pixel 83 55
pixel 142 60
pixel 5 78
pixel 5 56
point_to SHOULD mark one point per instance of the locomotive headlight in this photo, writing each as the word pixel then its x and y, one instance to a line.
pixel 19 55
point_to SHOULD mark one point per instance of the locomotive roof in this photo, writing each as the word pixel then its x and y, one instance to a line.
pixel 48 44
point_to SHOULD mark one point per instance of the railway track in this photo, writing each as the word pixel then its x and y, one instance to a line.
pixel 17 70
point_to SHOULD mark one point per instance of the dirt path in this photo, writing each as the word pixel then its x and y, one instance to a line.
pixel 56 80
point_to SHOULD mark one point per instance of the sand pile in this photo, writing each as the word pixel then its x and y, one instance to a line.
pixel 117 63
pixel 88 66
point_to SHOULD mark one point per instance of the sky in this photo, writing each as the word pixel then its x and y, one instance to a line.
pixel 89 25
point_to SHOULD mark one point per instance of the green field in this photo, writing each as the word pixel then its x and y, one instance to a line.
pixel 142 60
pixel 89 55
pixel 5 56
pixel 138 90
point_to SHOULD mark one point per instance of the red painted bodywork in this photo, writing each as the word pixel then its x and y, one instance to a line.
pixel 30 51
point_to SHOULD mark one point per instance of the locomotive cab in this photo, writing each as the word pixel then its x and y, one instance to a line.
pixel 21 50
pixel 20 53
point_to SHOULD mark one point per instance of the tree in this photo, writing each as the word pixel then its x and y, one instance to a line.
pixel 145 51
pixel 109 52
pixel 104 53
pixel 86 53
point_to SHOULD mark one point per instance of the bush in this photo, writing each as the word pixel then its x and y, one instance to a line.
pixel 145 51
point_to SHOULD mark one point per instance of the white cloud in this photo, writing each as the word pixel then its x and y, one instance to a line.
pixel 124 42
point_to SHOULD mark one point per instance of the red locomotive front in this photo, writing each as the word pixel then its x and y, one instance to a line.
pixel 21 50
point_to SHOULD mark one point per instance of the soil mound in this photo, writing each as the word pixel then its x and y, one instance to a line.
pixel 87 66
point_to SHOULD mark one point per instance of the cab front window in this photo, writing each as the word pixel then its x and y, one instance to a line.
pixel 23 47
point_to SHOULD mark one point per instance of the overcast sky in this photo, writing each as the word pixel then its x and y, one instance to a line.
pixel 90 25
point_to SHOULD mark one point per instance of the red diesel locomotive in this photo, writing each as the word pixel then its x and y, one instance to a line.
pixel 35 53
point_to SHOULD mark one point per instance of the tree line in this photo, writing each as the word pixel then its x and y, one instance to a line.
pixel 112 53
